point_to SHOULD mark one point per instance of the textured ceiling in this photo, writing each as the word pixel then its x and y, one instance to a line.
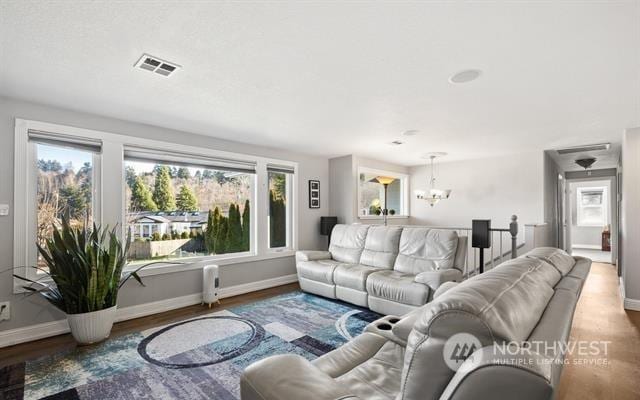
pixel 335 78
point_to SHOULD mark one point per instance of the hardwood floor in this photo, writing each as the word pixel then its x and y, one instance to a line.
pixel 599 317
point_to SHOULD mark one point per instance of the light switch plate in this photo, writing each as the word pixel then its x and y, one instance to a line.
pixel 4 210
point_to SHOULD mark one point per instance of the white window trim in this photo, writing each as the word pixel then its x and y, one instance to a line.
pixel 405 193
pixel 603 206
pixel 113 212
pixel 291 211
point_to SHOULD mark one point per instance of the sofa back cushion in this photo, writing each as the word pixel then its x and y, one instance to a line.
pixel 559 258
pixel 503 304
pixel 347 242
pixel 425 249
pixel 381 246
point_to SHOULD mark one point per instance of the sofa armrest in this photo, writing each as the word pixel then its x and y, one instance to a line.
pixel 289 377
pixel 490 374
pixel 434 279
pixel 311 255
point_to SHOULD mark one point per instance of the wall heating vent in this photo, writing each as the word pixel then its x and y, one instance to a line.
pixel 583 149
pixel 154 64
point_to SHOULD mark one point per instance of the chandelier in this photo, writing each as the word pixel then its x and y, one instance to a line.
pixel 434 195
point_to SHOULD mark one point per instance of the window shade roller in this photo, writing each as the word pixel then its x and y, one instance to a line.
pixel 188 160
pixel 62 140
pixel 284 169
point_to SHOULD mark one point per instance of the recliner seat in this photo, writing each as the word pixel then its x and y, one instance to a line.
pixel 531 298
pixel 389 269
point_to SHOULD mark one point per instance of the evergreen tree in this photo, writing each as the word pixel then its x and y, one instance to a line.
pixel 130 176
pixel 186 200
pixel 73 201
pixel 277 221
pixel 221 236
pixel 211 233
pixel 141 198
pixel 234 230
pixel 162 192
pixel 183 173
pixel 246 227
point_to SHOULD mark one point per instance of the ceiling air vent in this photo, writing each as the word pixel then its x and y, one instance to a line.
pixel 396 143
pixel 154 64
pixel 583 149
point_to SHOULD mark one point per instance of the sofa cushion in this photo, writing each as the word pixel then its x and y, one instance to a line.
pixel 347 243
pixel 559 258
pixel 381 246
pixel 581 269
pixel 571 284
pixel 397 286
pixel 353 276
pixel 319 270
pixel 424 249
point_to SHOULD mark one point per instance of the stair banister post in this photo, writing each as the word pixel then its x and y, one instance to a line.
pixel 513 229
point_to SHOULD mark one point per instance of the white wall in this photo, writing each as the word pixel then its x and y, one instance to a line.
pixel 630 217
pixel 31 311
pixel 490 188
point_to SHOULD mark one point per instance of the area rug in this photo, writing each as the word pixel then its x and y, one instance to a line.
pixel 199 358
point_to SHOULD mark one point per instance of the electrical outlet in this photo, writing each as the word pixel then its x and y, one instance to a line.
pixel 5 311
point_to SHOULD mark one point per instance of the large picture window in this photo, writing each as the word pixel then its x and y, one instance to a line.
pixel 176 211
pixel 371 194
pixel 176 202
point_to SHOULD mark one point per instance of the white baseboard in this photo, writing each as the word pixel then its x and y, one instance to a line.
pixel 54 328
pixel 628 304
pixel 586 246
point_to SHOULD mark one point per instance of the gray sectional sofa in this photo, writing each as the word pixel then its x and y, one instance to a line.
pixel 528 299
pixel 389 269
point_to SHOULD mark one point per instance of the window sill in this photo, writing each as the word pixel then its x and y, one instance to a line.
pixel 191 264
pixel 378 217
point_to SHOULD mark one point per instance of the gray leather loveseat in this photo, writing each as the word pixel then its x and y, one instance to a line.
pixel 530 299
pixel 389 269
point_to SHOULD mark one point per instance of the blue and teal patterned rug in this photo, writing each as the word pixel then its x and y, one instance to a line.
pixel 199 358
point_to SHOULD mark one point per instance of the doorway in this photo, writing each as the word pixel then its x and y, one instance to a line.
pixel 591 218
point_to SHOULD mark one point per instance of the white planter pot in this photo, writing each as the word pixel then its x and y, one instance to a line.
pixel 92 327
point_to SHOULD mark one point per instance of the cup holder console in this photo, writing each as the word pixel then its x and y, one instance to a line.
pixel 394 320
pixel 384 327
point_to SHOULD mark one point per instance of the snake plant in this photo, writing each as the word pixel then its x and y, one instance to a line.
pixel 86 267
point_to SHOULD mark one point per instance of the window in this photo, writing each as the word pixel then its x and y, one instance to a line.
pixel 65 173
pixel 371 194
pixel 186 210
pixel 592 206
pixel 176 201
pixel 279 208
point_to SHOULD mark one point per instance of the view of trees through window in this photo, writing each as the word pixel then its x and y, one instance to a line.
pixel 177 211
pixel 64 187
pixel 277 209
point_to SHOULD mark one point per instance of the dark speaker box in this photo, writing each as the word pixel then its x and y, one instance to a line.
pixel 327 224
pixel 481 233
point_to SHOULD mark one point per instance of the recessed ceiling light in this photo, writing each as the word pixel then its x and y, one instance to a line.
pixel 465 76
pixel 432 154
pixel 411 132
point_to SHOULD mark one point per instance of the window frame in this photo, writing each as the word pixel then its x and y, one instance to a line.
pixel 290 182
pixel 114 211
pixel 580 207
pixel 404 192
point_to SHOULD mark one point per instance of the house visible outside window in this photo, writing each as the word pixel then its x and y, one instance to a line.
pixel 280 210
pixel 177 202
pixel 371 194
pixel 592 206
pixel 186 210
